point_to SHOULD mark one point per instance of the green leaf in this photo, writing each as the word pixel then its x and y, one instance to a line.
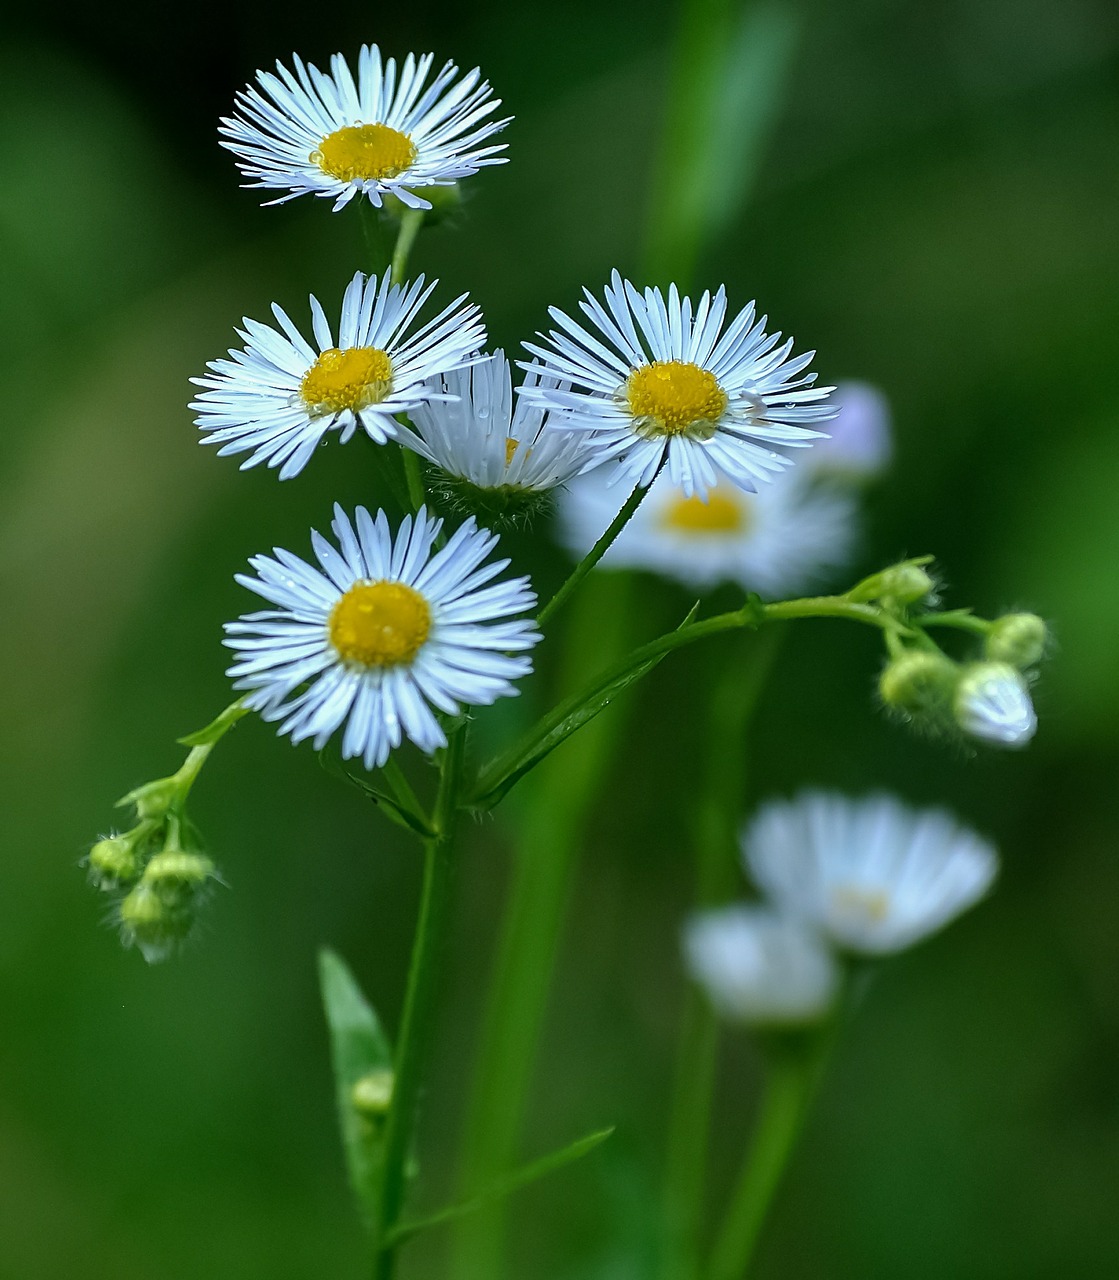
pixel 359 1049
pixel 217 728
pixel 569 716
pixel 503 1186
pixel 395 809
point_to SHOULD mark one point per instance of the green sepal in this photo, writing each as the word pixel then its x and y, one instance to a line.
pixel 358 1046
pixel 556 727
pixel 217 728
pixel 502 1187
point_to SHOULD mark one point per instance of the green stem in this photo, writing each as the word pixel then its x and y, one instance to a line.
pixel 418 1019
pixel 790 1084
pixel 556 807
pixel 410 223
pixel 375 234
pixel 734 696
pixel 595 554
pixel 414 476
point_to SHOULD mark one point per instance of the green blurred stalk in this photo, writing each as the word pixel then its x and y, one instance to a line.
pixel 556 802
pixel 733 697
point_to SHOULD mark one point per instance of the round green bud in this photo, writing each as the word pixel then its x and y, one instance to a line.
pixel 113 863
pixel 905 583
pixel 371 1095
pixel 1017 638
pixel 918 682
pixel 149 923
pixel 176 876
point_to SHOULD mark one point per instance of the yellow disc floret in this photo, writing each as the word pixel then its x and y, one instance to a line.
pixel 721 513
pixel 379 624
pixel 365 151
pixel 673 398
pixel 511 447
pixel 854 900
pixel 350 379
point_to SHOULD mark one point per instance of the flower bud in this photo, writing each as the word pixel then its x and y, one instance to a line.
pixel 918 682
pixel 153 799
pixel 1017 638
pixel 113 863
pixel 904 583
pixel 176 877
pixel 993 704
pixel 371 1095
pixel 151 924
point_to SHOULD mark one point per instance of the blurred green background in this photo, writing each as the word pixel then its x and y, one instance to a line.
pixel 937 213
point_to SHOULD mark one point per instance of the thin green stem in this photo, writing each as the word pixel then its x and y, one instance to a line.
pixel 554 812
pixel 413 474
pixel 791 1081
pixel 410 223
pixel 418 1019
pixel 834 607
pixel 375 234
pixel 733 697
pixel 595 554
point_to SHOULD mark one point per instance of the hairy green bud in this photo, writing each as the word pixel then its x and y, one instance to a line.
pixel 919 682
pixel 113 863
pixel 904 583
pixel 150 924
pixel 371 1095
pixel 177 876
pixel 153 799
pixel 1017 638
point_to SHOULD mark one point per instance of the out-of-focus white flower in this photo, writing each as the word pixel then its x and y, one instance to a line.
pixel 383 634
pixel 859 445
pixel 384 134
pixel 279 397
pixel 783 539
pixel 993 704
pixel 874 875
pixel 664 382
pixel 760 967
pixel 475 432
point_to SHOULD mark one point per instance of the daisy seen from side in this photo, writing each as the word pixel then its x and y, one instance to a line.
pixel 662 382
pixel 381 634
pixel 873 874
pixel 279 396
pixel 387 132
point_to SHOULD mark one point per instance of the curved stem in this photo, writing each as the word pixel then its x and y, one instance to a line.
pixel 418 1020
pixel 789 1088
pixel 410 223
pixel 595 554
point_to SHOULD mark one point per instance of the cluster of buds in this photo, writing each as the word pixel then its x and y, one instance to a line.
pixel 156 872
pixel 987 696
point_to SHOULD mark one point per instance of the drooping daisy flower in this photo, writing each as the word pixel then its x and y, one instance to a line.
pixel 475 432
pixel 381 635
pixel 873 874
pixel 279 396
pixel 385 134
pixel 760 967
pixel 993 704
pixel 661 379
pixel 781 540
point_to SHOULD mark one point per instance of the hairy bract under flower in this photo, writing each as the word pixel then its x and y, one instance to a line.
pixel 382 634
pixel 387 132
pixel 278 397
pixel 662 382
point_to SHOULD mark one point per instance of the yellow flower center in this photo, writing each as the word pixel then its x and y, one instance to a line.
pixel 350 379
pixel 674 397
pixel 364 151
pixel 511 446
pixel 721 513
pixel 853 900
pixel 379 624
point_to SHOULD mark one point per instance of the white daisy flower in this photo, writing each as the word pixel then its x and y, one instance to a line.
pixel 859 444
pixel 783 539
pixel 385 134
pixel 475 431
pixel 760 967
pixel 993 703
pixel 382 635
pixel 278 397
pixel 873 874
pixel 660 382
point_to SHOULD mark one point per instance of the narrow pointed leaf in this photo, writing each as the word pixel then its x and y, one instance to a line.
pixel 358 1050
pixel 504 1186
pixel 217 728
